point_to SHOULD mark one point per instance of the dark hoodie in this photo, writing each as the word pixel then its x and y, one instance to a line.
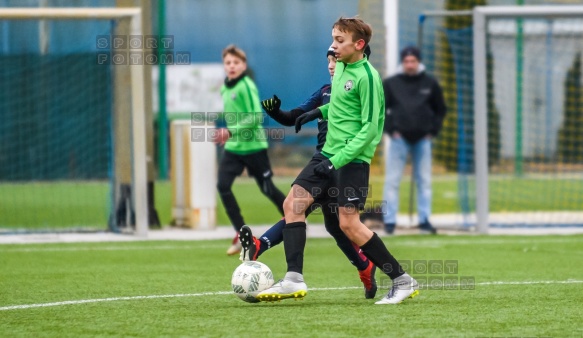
pixel 414 105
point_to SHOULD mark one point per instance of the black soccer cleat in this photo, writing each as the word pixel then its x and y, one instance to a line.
pixel 250 244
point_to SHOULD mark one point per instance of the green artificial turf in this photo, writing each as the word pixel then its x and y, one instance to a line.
pixel 524 286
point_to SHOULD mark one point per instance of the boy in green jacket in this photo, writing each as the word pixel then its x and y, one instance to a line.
pixel 355 117
pixel 244 138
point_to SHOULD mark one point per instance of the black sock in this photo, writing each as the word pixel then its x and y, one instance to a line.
pixel 294 242
pixel 378 253
pixel 349 249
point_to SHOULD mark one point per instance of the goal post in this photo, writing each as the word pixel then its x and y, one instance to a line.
pixel 138 123
pixel 481 15
pixel 512 139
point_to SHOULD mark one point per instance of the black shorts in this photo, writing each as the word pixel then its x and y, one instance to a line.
pixel 315 185
pixel 351 182
pixel 257 164
pixel 347 187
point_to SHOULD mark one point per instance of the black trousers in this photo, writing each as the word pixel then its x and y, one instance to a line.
pixel 258 166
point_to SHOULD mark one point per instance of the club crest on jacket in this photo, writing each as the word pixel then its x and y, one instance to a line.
pixel 348 85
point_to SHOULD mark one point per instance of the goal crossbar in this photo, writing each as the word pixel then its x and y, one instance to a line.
pixel 481 14
pixel 139 175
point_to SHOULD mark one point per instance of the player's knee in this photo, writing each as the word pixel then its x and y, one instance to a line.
pixel 349 226
pixel 288 205
pixel 295 206
pixel 345 227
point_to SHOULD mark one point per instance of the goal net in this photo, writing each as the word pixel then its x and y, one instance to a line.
pixel 60 153
pixel 514 131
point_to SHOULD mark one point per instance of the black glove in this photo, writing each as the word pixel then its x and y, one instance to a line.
pixel 307 117
pixel 324 169
pixel 271 105
pixel 286 118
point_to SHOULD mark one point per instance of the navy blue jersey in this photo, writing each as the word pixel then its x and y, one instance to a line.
pixel 319 98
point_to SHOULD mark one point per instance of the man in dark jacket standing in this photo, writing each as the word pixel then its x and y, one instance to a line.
pixel 415 111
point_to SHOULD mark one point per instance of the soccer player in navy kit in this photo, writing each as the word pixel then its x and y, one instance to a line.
pixel 253 247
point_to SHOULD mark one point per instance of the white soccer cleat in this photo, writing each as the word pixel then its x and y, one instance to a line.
pixel 284 289
pixel 234 249
pixel 403 287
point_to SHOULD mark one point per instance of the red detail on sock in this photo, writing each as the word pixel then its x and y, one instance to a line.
pixel 359 250
pixel 257 244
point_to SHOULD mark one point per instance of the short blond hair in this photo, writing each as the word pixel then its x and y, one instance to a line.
pixel 358 28
pixel 236 51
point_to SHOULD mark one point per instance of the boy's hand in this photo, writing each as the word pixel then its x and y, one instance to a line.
pixel 221 136
pixel 324 169
pixel 307 117
pixel 271 105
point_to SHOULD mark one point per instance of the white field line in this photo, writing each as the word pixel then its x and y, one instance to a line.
pixel 219 293
pixel 415 243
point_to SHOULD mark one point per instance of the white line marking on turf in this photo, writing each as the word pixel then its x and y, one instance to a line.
pixel 112 299
pixel 217 293
pixel 570 281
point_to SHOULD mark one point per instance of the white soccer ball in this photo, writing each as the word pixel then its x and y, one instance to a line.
pixel 249 279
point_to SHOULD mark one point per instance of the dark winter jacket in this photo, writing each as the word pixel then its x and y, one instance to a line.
pixel 414 105
pixel 319 98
